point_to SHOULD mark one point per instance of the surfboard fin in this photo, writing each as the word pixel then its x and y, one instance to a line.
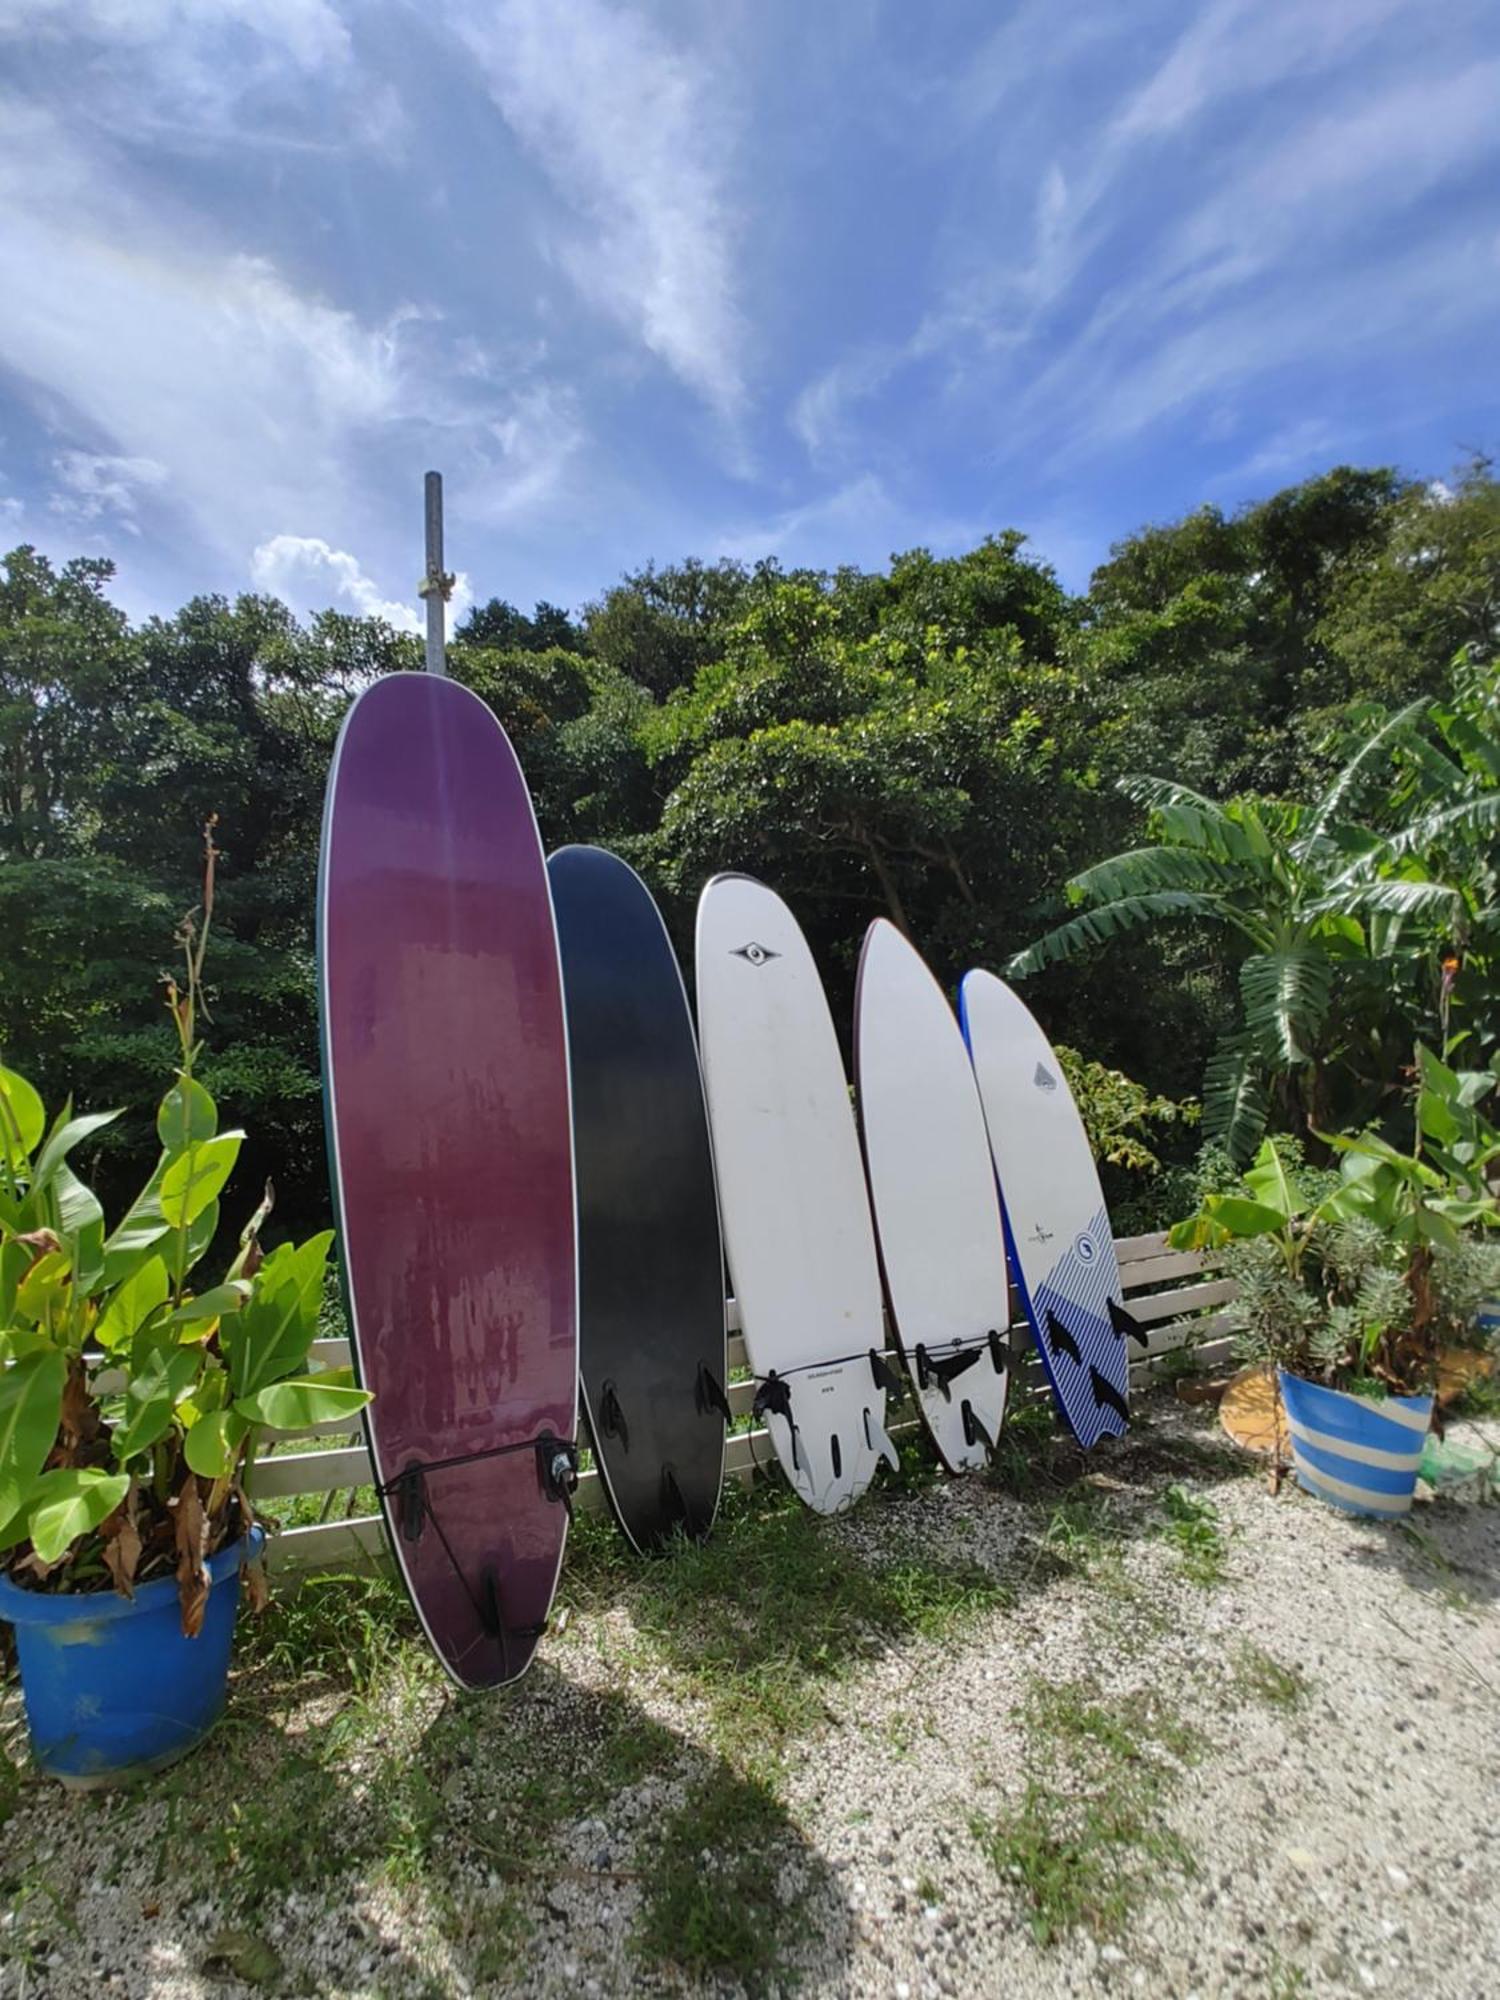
pixel 612 1418
pixel 1107 1396
pixel 774 1398
pixel 409 1491
pixel 944 1368
pixel 1060 1340
pixel 1125 1322
pixel 998 1358
pixel 885 1377
pixel 878 1439
pixel 974 1430
pixel 709 1394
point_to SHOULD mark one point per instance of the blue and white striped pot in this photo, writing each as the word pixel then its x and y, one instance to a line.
pixel 1359 1453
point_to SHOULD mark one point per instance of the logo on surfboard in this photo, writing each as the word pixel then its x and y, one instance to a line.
pixel 1044 1079
pixel 753 953
pixel 1084 1248
pixel 1040 1235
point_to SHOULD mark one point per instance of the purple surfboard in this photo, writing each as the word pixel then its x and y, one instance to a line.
pixel 445 1073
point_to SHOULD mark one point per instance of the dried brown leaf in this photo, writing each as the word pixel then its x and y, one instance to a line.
pixel 192 1568
pixel 122 1544
pixel 257 1591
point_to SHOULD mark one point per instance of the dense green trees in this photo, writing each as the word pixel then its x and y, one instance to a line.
pixel 939 741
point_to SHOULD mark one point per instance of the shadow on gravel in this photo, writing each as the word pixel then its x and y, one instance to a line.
pixel 1448 1552
pixel 520 1833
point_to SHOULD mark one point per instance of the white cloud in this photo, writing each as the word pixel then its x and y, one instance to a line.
pixel 11 511
pixel 91 484
pixel 628 126
pixel 310 31
pixel 309 575
pixel 860 521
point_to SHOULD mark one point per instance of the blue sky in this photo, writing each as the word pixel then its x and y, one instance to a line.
pixel 647 278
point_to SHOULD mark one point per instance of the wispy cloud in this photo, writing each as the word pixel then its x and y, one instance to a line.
pixel 91 484
pixel 308 574
pixel 630 128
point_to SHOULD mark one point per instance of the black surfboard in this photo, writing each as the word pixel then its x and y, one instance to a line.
pixel 650 1258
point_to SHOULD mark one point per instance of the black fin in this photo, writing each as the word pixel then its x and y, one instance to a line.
pixel 946 1368
pixel 709 1394
pixel 774 1397
pixel 409 1491
pixel 557 1468
pixel 612 1418
pixel 885 1377
pixel 1108 1397
pixel 974 1430
pixel 1125 1322
pixel 1060 1340
pixel 998 1359
pixel 673 1504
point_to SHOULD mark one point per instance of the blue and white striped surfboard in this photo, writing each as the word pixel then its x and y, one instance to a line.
pixel 1360 1453
pixel 1057 1232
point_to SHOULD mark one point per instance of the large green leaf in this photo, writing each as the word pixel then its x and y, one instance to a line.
pixel 31 1393
pixel 195 1177
pixel 161 1375
pixel 1286 996
pixel 211 1444
pixel 142 1227
pixel 68 1502
pixel 270 1338
pixel 182 1249
pixel 304 1400
pixel 1146 870
pixel 80 1222
pixel 186 1116
pixel 66 1133
pixel 216 1303
pixel 131 1304
pixel 22 1119
pixel 1235 1106
pixel 1233 1216
pixel 1270 1183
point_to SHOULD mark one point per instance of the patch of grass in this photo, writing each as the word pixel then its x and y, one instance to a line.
pixel 1192 1527
pixel 1260 1677
pixel 711 1888
pixel 1284 1980
pixel 1088 1840
pixel 1027 1443
pixel 38 1911
pixel 1081 1532
pixel 774 1609
pixel 1177 1364
pixel 348 1628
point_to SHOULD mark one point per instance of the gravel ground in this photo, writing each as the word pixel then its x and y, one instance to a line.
pixel 1305 1746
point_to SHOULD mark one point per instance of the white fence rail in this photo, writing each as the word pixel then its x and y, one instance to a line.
pixel 1174 1295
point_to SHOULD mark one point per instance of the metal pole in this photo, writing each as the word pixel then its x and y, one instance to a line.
pixel 437 583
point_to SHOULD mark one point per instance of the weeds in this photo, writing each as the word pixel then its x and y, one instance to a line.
pixel 1192 1527
pixel 1088 1838
pixel 1260 1677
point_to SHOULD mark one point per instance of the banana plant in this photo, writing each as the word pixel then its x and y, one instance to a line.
pixel 1311 899
pixel 133 1393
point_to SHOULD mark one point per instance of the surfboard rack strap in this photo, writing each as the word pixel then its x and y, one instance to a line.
pixel 709 1395
pixel 1125 1322
pixel 612 1418
pixel 885 1377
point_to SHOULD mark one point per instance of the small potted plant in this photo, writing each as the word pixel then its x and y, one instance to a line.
pixel 1354 1285
pixel 132 1397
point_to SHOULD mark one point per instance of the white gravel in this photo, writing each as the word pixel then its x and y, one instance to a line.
pixel 1349 1846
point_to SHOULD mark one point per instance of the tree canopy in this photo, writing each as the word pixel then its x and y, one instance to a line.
pixel 941 741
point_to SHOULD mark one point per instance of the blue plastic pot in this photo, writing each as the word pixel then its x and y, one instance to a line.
pixel 113 1690
pixel 1359 1453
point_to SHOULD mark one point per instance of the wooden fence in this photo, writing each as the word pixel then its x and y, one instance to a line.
pixel 1173 1294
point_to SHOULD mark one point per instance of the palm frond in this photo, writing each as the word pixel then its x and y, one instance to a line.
pixel 1395 896
pixel 1235 1104
pixel 1480 814
pixel 1332 801
pixel 1145 870
pixel 1109 920
pixel 1286 995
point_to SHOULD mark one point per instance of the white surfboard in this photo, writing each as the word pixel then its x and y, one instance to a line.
pixel 1057 1230
pixel 932 1183
pixel 796 1214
